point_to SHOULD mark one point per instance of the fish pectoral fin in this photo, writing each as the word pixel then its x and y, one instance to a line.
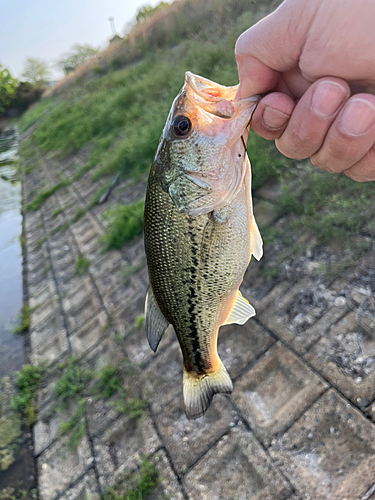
pixel 241 311
pixel 199 390
pixel 256 242
pixel 156 324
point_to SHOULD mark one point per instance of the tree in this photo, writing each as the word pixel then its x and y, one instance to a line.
pixel 36 71
pixel 147 10
pixel 8 86
pixel 78 55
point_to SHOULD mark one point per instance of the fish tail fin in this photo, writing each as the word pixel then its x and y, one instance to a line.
pixel 200 389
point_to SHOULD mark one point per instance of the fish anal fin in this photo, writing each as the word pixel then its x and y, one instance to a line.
pixel 156 324
pixel 199 390
pixel 256 242
pixel 241 311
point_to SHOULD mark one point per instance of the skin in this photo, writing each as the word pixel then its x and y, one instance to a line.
pixel 316 61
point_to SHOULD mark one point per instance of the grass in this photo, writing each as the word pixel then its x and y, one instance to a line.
pixel 56 212
pixel 122 113
pixel 72 382
pixel 76 382
pixel 28 381
pixel 125 223
pixel 75 426
pixel 82 265
pixel 24 317
pixel 136 485
pixel 41 197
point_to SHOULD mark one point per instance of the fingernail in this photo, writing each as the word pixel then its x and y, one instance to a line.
pixel 327 98
pixel 357 117
pixel 273 118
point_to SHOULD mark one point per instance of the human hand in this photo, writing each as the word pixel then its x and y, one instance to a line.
pixel 313 55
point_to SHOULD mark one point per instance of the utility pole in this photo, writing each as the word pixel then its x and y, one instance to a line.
pixel 112 22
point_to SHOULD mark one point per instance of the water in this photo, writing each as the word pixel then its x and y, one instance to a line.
pixel 14 458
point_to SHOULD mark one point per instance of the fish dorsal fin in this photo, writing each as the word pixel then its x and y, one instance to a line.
pixel 256 242
pixel 241 311
pixel 156 324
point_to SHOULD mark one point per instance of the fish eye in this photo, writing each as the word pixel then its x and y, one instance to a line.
pixel 181 126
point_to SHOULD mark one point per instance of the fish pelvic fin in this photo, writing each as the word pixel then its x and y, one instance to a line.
pixel 256 243
pixel 155 322
pixel 241 311
pixel 200 389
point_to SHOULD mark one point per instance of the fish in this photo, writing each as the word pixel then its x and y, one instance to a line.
pixel 200 232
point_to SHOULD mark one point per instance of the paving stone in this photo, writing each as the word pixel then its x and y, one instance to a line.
pixel 129 307
pixel 186 441
pixel 168 485
pixel 236 468
pixel 275 392
pixel 104 265
pixel 346 357
pixel 121 446
pixel 43 310
pixel 47 428
pixel 40 293
pixel 48 339
pixel 239 345
pixel 90 334
pixel 135 252
pixel 41 273
pixel 138 349
pixel 260 293
pixel 303 314
pixel 329 452
pixel 85 489
pixel 108 279
pixel 60 466
pixel 99 412
pixel 81 304
pixel 161 385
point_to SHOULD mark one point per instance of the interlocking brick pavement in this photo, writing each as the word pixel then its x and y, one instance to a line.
pixel 295 426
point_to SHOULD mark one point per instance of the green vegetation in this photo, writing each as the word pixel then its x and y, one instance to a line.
pixel 140 321
pixel 28 382
pixel 76 382
pixel 8 86
pixel 82 265
pixel 123 112
pixel 72 382
pixel 125 223
pixel 46 193
pixel 108 383
pixel 24 319
pixel 135 485
pixel 56 212
pixel 75 425
pixel 332 207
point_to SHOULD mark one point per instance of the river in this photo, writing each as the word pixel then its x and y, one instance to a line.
pixel 14 459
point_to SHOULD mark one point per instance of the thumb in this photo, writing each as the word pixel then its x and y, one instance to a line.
pixel 272 46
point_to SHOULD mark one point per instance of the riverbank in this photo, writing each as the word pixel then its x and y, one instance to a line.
pixel 110 411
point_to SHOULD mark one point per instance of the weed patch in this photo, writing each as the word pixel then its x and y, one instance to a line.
pixel 56 212
pixel 135 485
pixel 43 195
pixel 82 265
pixel 28 382
pixel 24 319
pixel 75 425
pixel 125 223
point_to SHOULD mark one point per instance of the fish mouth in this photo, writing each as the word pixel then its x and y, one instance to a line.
pixel 217 99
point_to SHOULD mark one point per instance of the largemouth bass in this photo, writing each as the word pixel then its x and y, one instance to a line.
pixel 200 232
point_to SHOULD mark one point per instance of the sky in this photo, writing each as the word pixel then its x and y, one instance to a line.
pixel 47 29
